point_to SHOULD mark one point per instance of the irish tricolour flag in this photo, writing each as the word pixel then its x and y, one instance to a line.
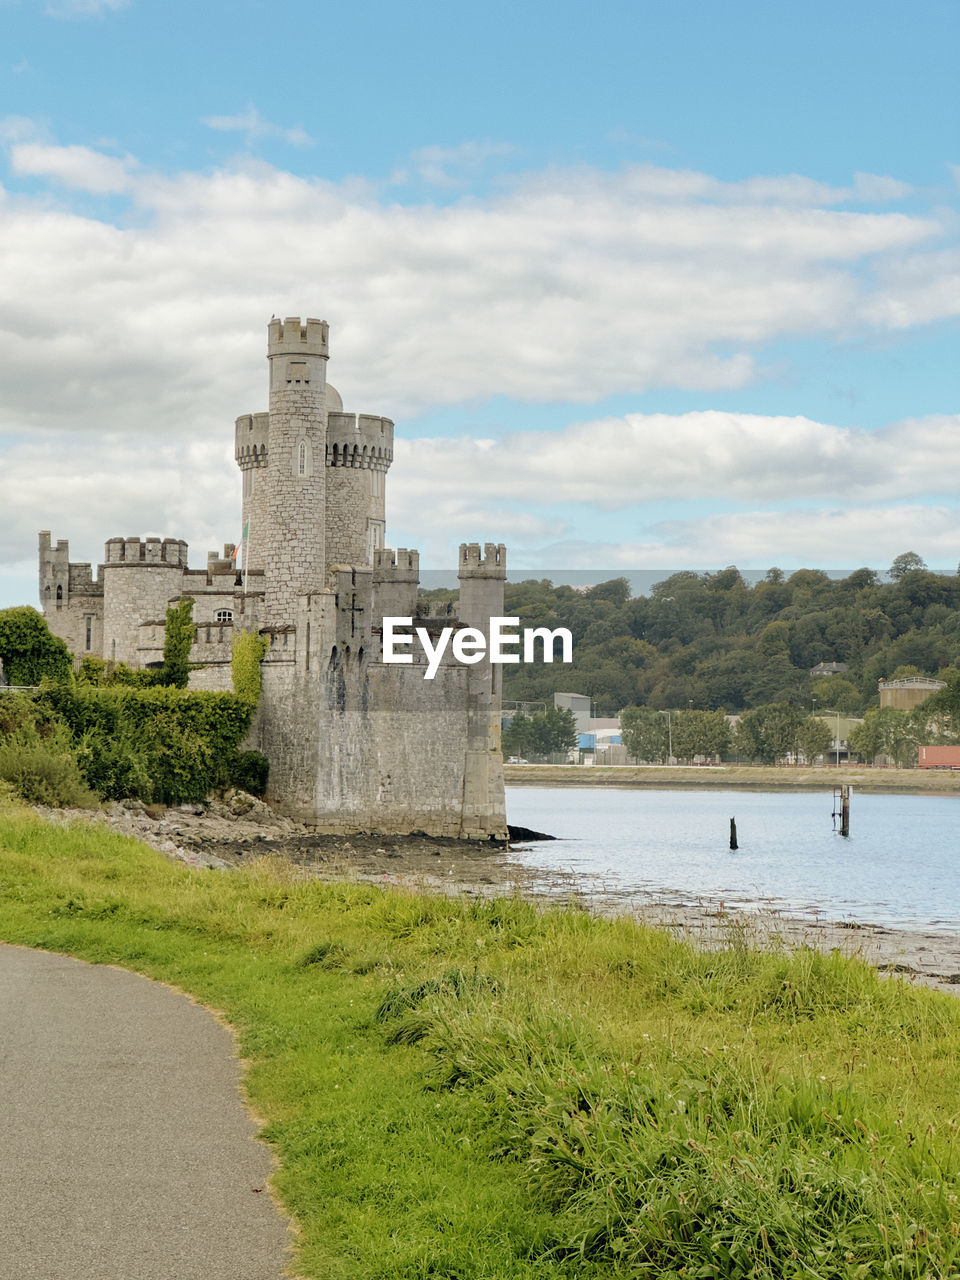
pixel 243 538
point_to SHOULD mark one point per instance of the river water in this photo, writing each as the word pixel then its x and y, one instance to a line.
pixel 899 866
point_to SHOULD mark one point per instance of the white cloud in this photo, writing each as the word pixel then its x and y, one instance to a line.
pixel 449 166
pixel 828 538
pixel 251 123
pixel 78 167
pixel 122 347
pixel 569 288
pixel 616 463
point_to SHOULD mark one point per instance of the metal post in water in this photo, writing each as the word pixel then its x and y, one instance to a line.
pixel 733 834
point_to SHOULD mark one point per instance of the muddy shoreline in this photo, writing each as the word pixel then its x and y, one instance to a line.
pixel 738 777
pixel 238 830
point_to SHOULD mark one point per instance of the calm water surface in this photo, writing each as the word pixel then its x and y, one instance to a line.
pixel 899 866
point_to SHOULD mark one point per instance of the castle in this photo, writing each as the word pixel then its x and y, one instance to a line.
pixel 354 743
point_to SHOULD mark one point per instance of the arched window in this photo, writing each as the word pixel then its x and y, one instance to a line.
pixel 224 615
pixel 301 460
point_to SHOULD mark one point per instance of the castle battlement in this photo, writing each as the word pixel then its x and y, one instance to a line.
pixel 291 338
pixel 355 742
pixel 432 609
pixel 359 440
pixel 168 553
pixel 491 564
pixel 250 440
pixel 396 566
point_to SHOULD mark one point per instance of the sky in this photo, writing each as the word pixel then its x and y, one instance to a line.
pixel 644 285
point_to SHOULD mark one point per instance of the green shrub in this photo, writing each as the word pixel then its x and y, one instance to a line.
pixel 44 770
pixel 250 771
pixel 161 745
pixel 179 635
pixel 28 650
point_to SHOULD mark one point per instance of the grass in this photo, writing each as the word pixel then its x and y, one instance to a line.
pixel 472 1090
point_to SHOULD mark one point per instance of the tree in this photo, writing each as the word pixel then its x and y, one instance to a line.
pixel 836 692
pixel 889 732
pixel 699 733
pixel 515 740
pixel 768 733
pixel 552 732
pixel 814 737
pixel 644 733
pixel 906 563
pixel 178 640
pixel 545 733
pixel 29 652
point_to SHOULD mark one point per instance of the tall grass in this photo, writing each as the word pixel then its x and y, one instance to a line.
pixel 477 1089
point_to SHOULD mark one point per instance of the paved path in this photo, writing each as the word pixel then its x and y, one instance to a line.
pixel 125 1150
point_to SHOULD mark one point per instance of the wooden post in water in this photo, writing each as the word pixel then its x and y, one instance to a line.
pixel 733 834
pixel 845 809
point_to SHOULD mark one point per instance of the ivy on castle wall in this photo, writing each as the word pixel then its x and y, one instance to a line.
pixel 179 635
pixel 247 653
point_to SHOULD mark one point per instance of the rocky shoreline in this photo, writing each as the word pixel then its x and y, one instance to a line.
pixel 235 831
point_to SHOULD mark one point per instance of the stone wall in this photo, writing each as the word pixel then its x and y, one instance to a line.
pixel 135 593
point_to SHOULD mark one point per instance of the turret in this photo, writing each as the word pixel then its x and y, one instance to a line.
pixel 250 450
pixel 481 582
pixel 54 573
pixel 481 598
pixel 396 577
pixel 287 522
pixel 359 452
pixel 141 576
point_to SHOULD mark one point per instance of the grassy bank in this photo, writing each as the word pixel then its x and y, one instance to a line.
pixel 475 1090
pixel 749 777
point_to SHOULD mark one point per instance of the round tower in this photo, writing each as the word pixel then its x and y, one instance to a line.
pixel 289 542
pixel 359 451
pixel 250 451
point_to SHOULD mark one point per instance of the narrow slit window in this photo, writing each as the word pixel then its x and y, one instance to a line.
pixel 302 459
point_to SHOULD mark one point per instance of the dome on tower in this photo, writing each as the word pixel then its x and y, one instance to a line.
pixel 334 403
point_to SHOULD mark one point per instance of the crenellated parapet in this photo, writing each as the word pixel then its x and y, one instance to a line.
pixel 250 440
pixel 445 609
pixel 291 337
pixel 169 553
pixel 396 566
pixel 359 440
pixel 492 563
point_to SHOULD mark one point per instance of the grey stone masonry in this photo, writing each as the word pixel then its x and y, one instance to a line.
pixel 291 537
pixel 354 743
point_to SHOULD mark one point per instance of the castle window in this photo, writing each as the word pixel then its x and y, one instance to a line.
pixel 89 633
pixel 224 615
pixel 59 596
pixel 302 461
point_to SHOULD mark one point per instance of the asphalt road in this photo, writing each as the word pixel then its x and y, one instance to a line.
pixel 125 1149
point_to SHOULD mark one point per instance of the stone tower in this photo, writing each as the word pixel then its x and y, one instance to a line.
pixel 291 507
pixel 481 598
pixel 355 743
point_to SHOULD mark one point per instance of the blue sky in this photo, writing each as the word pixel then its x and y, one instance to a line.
pixel 644 286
